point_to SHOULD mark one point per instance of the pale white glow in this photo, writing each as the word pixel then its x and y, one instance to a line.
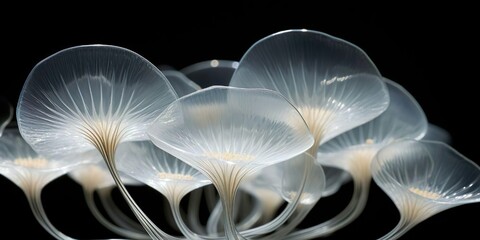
pixel 229 156
pixel 214 63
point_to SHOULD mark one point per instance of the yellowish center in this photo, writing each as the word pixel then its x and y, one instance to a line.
pixel 426 194
pixel 31 162
pixel 316 119
pixel 176 176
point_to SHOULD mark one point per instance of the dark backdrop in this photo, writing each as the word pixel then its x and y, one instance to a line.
pixel 431 51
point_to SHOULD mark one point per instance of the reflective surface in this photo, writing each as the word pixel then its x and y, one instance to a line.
pixel 418 57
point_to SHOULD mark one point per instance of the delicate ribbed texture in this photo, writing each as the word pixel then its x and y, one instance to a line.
pixel 228 133
pixel 285 178
pixel 233 126
pixel 32 172
pixel 424 178
pixel 426 168
pixel 25 167
pixel 93 94
pixel 403 119
pixel 333 83
pixel 145 162
pixel 292 179
pixel 96 175
pixel 263 186
pixel 354 150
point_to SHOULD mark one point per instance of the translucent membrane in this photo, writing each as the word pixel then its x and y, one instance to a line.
pixel 292 184
pixel 93 97
pixel 436 133
pixel 31 172
pixel 263 186
pixel 180 83
pixel 245 213
pixel 354 150
pixel 95 177
pixel 194 208
pixel 116 214
pixel 6 113
pixel 281 182
pixel 333 83
pixel 211 72
pixel 424 178
pixel 229 133
pixel 334 179
pixel 173 178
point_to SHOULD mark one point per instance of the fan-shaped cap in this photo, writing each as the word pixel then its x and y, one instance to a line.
pixel 294 171
pixel 23 166
pixel 333 83
pixel 90 90
pixel 227 125
pixel 285 179
pixel 403 119
pixel 427 171
pixel 145 162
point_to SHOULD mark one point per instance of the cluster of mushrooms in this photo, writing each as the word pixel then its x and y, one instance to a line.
pixel 302 114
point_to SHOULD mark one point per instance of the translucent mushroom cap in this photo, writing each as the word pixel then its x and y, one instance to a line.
pixel 211 72
pixel 227 125
pixel 265 180
pixel 437 133
pixel 25 167
pixel 333 83
pixel 285 178
pixel 180 83
pixel 293 176
pixel 403 119
pixel 428 172
pixel 145 162
pixel 88 93
pixel 334 179
pixel 96 175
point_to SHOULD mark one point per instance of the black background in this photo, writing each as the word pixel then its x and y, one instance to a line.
pixel 431 51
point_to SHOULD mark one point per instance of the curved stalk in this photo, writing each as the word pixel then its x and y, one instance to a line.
pixel 35 201
pixel 254 215
pixel 89 197
pixel 115 213
pixel 286 213
pixel 194 210
pixel 402 227
pixel 350 213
